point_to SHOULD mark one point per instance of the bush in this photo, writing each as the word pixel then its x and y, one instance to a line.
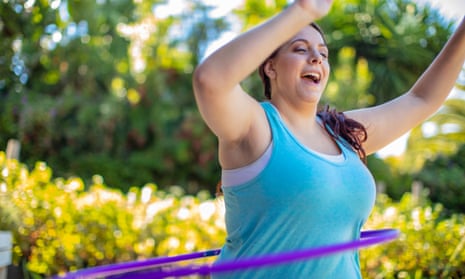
pixel 428 247
pixel 395 183
pixel 59 227
pixel 444 176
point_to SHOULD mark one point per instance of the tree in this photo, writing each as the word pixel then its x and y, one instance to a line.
pixel 443 133
pixel 445 179
pixel 398 39
pixel 105 87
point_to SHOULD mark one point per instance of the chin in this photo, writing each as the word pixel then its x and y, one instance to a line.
pixel 312 97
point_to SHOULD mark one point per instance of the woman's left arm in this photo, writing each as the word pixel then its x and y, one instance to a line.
pixel 438 80
pixel 388 121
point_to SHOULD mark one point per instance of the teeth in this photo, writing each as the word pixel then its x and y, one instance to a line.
pixel 313 76
pixel 316 76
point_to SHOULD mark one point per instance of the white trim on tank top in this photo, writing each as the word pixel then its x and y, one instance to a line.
pixel 244 174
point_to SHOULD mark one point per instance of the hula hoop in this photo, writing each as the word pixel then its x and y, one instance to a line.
pixel 128 270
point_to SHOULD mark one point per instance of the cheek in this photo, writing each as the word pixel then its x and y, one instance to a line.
pixel 287 62
pixel 286 71
pixel 327 70
pixel 288 65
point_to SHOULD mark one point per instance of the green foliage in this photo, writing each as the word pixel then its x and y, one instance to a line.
pixel 350 79
pixel 444 176
pixel 445 135
pixel 254 12
pixel 389 179
pixel 397 38
pixel 104 87
pixel 429 245
pixel 58 227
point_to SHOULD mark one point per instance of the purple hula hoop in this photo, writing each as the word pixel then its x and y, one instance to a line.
pixel 153 268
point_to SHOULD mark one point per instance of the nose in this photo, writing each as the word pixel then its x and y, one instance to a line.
pixel 315 57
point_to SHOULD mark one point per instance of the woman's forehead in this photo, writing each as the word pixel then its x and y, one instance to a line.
pixel 308 34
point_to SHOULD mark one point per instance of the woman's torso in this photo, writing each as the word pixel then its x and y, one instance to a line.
pixel 298 200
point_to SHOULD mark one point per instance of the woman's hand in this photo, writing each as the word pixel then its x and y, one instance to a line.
pixel 315 8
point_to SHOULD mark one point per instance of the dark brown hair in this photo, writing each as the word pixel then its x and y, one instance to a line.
pixel 339 126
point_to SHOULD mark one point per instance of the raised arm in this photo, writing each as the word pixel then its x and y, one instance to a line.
pixel 389 121
pixel 229 112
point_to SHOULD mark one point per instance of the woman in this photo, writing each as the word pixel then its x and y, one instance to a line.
pixel 292 176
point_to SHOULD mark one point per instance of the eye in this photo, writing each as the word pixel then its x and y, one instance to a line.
pixel 324 54
pixel 300 47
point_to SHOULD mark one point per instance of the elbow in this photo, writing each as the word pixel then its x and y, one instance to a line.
pixel 201 80
pixel 210 78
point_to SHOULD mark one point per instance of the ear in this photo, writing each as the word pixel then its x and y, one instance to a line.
pixel 269 69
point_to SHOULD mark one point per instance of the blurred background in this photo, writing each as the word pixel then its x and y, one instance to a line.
pixel 97 113
pixel 104 87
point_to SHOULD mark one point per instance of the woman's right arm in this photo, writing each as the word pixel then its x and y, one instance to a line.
pixel 226 108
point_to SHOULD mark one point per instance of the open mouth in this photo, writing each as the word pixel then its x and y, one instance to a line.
pixel 314 77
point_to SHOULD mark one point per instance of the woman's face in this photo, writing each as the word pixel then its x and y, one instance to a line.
pixel 300 70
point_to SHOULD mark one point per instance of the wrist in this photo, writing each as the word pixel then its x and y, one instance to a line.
pixel 312 11
pixel 302 12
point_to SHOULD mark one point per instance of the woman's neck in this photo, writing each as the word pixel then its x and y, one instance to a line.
pixel 296 114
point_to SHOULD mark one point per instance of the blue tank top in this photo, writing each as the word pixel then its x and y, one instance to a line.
pixel 298 201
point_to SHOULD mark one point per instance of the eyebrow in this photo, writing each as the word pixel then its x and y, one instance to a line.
pixel 306 42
